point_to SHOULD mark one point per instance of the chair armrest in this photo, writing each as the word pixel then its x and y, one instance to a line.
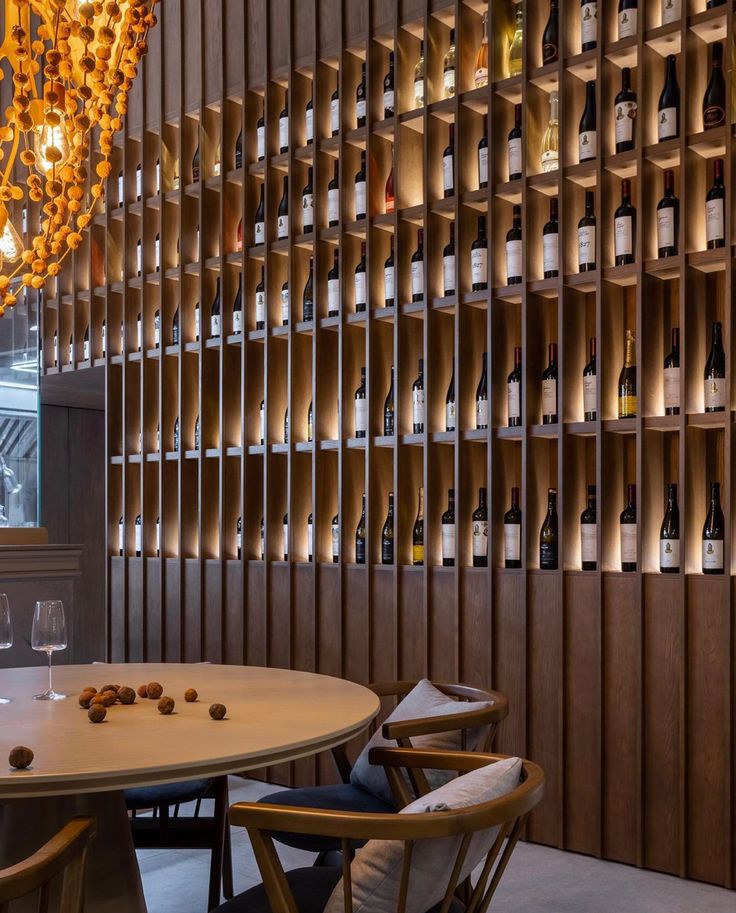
pixel 459 761
pixel 448 722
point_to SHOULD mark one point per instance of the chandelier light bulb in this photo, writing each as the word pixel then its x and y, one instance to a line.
pixel 11 246
pixel 47 138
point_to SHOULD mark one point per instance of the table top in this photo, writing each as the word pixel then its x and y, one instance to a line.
pixel 273 715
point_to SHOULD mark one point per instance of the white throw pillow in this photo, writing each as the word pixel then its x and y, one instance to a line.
pixel 424 700
pixel 376 869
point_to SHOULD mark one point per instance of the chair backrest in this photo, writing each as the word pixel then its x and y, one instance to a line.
pixel 64 855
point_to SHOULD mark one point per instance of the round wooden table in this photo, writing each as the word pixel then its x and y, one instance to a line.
pixel 273 715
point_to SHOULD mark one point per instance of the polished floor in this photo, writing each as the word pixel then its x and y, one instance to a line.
pixel 538 880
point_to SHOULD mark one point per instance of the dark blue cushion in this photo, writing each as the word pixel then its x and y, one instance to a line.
pixel 342 797
pixel 168 794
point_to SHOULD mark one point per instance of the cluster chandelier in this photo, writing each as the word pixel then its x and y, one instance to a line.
pixel 71 81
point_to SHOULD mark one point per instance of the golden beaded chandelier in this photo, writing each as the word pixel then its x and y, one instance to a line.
pixel 71 81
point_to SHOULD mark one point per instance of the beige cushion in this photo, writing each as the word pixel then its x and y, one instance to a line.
pixel 376 870
pixel 424 700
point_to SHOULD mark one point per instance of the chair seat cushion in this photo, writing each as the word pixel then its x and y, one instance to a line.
pixel 311 888
pixel 342 797
pixel 167 794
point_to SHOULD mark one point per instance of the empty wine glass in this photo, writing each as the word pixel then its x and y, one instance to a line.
pixel 6 631
pixel 48 634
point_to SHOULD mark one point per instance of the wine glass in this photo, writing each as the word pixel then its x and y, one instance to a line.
pixel 48 634
pixel 6 632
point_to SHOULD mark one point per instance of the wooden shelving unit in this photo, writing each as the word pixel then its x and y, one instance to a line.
pixel 621 685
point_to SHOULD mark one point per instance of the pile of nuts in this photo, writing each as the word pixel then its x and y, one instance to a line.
pixel 96 703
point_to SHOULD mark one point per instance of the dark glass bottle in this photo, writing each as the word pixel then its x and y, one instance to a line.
pixel 333 197
pixel 283 215
pixel 669 535
pixel 417 268
pixel 310 422
pixel 333 286
pixel 308 204
pixel 513 387
pixel 238 307
pixel 360 283
pixel 590 384
pixel 713 533
pixel 308 295
pixel 239 150
pixel 512 533
pixel 624 224
pixel 450 404
pixel 215 328
pixel 335 107
pixel 589 533
pixel 417 534
pixel 549 388
pixel 586 235
pixel 360 99
pixel 389 412
pixel 388 88
pixel 447 526
pixel 588 24
pixel 627 399
pixel 483 155
pixel 448 264
pixel 668 218
pixel 480 531
pixel 551 242
pixel 309 121
pixel 195 166
pixel 548 539
pixel 361 188
pixel 668 109
pixel 284 125
pixel 479 258
pixel 387 533
pixel 389 197
pixel 587 132
pixel 714 100
pixel 627 18
pixel 261 302
pixel 551 35
pixel 361 407
pixel 417 401
pixel 481 397
pixel 672 376
pixel 261 135
pixel 515 146
pixel 260 221
pixel 285 527
pixel 715 226
pixel 514 255
pixel 448 164
pixel 335 530
pixel 625 114
pixel 360 537
pixel 389 277
pixel 628 535
pixel 715 373
pixel 175 328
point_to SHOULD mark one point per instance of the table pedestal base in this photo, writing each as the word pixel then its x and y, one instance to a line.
pixel 113 877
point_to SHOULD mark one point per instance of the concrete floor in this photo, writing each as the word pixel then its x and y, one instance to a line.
pixel 538 880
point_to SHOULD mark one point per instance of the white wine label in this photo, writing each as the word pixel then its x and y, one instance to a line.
pixel 448 172
pixel 448 80
pixel 448 540
pixel 260 232
pixel 335 540
pixel 263 424
pixel 157 252
pixel 590 393
pixel 549 396
pixel 360 199
pixel 512 541
pixel 587 145
pixel 333 294
pixel 480 538
pixel 667 123
pixel 310 539
pixel 56 350
pixel 360 109
pixel 483 165
pixel 623 236
pixel 669 553
pixel 307 211
pixel 85 350
pixel 333 205
pixel 551 252
pixel 449 416
pixel 481 413
pixel 360 288
pixel 335 115
pixel 666 227
pixel 140 335
pixel 260 307
pixel 627 23
pixel 139 259
pixel 586 244
pixel 448 274
pixel 388 100
pixel 261 142
pixel 121 194
pixel 513 259
pixel 417 407
pixel 286 541
pixel 672 388
pixel 388 283
pixel 139 182
pixel 714 225
pixel 588 22
pixel 238 541
pixel 715 392
pixel 138 539
pixel 283 132
pixel 309 125
pixel 514 156
pixel 712 554
pixel 121 538
pixel 237 321
pixel 479 265
pixel 104 340
pixel 514 399
pixel 284 305
pixel 419 92
pixel 361 416
pixel 196 323
pixel 588 542
pixel 628 543
pixel 624 120
pixel 417 278
pixel 283 227
pixel 481 77
pixel 671 10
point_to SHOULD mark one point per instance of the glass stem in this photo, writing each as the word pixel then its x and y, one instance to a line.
pixel 50 687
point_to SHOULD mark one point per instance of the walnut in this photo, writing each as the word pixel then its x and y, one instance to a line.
pixel 114 688
pixel 166 705
pixel 98 699
pixel 109 698
pixel 155 690
pixel 218 711
pixel 126 695
pixel 142 690
pixel 96 713
pixel 190 695
pixel 20 757
pixel 85 699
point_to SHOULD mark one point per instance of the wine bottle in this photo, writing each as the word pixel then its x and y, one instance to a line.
pixel 388 88
pixel 389 277
pixel 448 264
pixel 284 125
pixel 196 322
pixel 138 536
pixel 447 527
pixel 310 538
pixel 361 407
pixel 668 110
pixel 479 258
pixel 157 252
pixel 548 540
pixel 260 221
pixel 671 385
pixel 551 243
pixel 713 533
pixel 335 107
pixel 481 59
pixel 450 405
pixel 483 155
pixel 139 180
pixel 480 531
pixel 417 401
pixel 262 422
pixel 389 412
pixel 360 284
pixel 196 433
pixel 308 204
pixel 512 533
pixel 625 109
pixel 335 536
pixel 261 302
pixel 103 334
pixel 668 218
pixel 516 48
pixel 588 24
pixel 481 397
pixel 239 537
pixel 589 533
pixel 551 35
pixel 624 223
pixel 417 534
pixel 586 236
pixel 513 249
pixel 513 388
pixel 361 196
pixel 590 384
pixel 628 535
pixel 261 135
pixel 286 426
pixel 419 78
pixel 56 349
pixel 448 67
pixel 669 535
pixel 715 226
pixel 309 121
pixel 387 533
pixel 85 341
pixel 448 164
pixel 285 304
pixel 139 256
pixel 627 18
pixel 176 435
pixel 587 133
pixel 285 528
pixel 217 162
pixel 671 11
pixel 308 295
pixel 215 313
pixel 333 197
pixel 361 99
pixel 238 307
pixel 515 145
pixel 333 286
pixel 239 236
pixel 121 191
pixel 417 268
pixel 139 336
pixel 627 401
pixel 310 422
pixel 121 536
pixel 388 194
pixel 239 150
pixel 714 100
pixel 550 152
pixel 549 388
pixel 715 373
pixel 263 540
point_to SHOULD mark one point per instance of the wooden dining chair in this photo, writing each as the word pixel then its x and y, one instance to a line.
pixel 64 855
pixel 428 858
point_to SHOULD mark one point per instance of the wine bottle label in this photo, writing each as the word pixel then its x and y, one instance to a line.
pixel 139 182
pixel 714 225
pixel 360 288
pixel 623 236
pixel 587 145
pixel 666 227
pixel 335 115
pixel 215 325
pixel 483 165
pixel 307 211
pixel 479 265
pixel 448 540
pixel 586 244
pixel 261 142
pixel 196 323
pixel 309 125
pixel 388 100
pixel 628 543
pixel 104 340
pixel 549 396
pixel 588 22
pixel 360 109
pixel 671 10
pixel 712 554
pixel 448 80
pixel 286 541
pixel 514 399
pixel 512 542
pixel 419 92
pixel 333 295
pixel 448 274
pixel 713 116
pixel 417 277
pixel 260 232
pixel 417 407
pixel 627 405
pixel 361 416
pixel 283 132
pixel 417 553
pixel 480 538
pixel 514 156
pixel 450 416
pixel 590 393
pixel 588 542
pixel 262 421
pixel 85 349
pixel 672 388
pixel 513 259
pixel 260 307
pixel 448 172
pixel 360 551
pixel 669 553
pixel 624 117
pixel 481 413
pixel 237 321
pixel 481 77
pixel 335 540
pixel 121 195
pixel 157 252
pixel 71 352
pixel 715 393
pixel 283 227
pixel 667 123
pixel 627 23
pixel 139 259
pixel 139 333
pixel 551 253
pixel 138 538
pixel 121 538
pixel 333 205
pixel 238 541
pixel 548 556
pixel 360 199
pixel 388 283
pixel 284 305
